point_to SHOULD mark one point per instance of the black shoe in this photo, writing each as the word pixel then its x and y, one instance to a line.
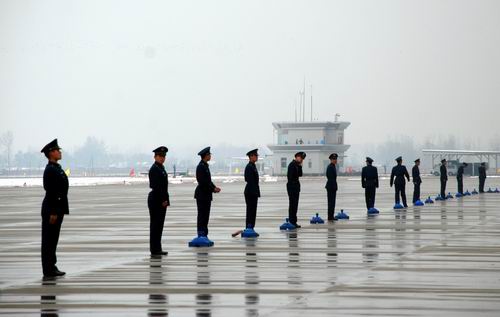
pixel 52 274
pixel 59 273
pixel 332 219
pixel 297 226
pixel 159 253
pixel 49 275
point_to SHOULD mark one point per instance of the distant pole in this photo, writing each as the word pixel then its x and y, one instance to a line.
pixel 311 103
pixel 300 105
pixel 303 106
pixel 295 103
pixel 301 117
pixel 304 98
pixel 91 166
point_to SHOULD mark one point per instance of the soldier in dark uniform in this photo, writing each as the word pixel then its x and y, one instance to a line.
pixel 331 185
pixel 460 178
pixel 293 186
pixel 204 191
pixel 158 200
pixel 54 207
pixel 482 177
pixel 252 189
pixel 443 178
pixel 369 181
pixel 399 172
pixel 417 180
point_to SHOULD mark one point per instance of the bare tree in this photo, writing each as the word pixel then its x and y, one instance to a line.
pixel 495 143
pixel 6 141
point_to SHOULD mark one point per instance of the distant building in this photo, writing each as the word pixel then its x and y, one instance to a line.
pixel 317 139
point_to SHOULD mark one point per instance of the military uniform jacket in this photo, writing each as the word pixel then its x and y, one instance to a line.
pixel 331 176
pixel 252 178
pixel 415 174
pixel 205 188
pixel 369 177
pixel 460 173
pixel 482 172
pixel 444 173
pixel 399 172
pixel 55 183
pixel 293 174
pixel 158 182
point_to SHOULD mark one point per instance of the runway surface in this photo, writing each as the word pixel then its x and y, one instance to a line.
pixel 441 259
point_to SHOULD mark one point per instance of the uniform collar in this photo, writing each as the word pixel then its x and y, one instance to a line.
pixel 158 164
pixel 54 164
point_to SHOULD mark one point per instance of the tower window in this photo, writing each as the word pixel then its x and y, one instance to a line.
pixel 283 162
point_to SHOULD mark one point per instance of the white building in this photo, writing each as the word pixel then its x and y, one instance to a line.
pixel 317 139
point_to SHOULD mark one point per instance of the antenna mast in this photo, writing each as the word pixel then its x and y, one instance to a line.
pixel 304 100
pixel 311 103
pixel 295 103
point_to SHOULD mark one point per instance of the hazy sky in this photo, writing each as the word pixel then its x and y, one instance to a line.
pixel 142 73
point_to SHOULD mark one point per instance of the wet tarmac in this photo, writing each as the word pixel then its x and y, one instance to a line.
pixel 441 259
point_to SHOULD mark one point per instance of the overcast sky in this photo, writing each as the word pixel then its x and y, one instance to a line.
pixel 143 73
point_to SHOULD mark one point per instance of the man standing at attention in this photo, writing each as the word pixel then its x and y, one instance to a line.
pixel 369 181
pixel 252 189
pixel 331 185
pixel 415 174
pixel 443 178
pixel 482 177
pixel 399 172
pixel 460 178
pixel 293 186
pixel 158 200
pixel 54 207
pixel 204 191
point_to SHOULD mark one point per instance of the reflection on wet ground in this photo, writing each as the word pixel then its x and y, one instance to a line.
pixel 158 302
pixel 47 301
pixel 442 259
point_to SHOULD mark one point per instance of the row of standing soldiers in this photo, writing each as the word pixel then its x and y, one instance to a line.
pixel 55 203
pixel 370 182
pixel 399 173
